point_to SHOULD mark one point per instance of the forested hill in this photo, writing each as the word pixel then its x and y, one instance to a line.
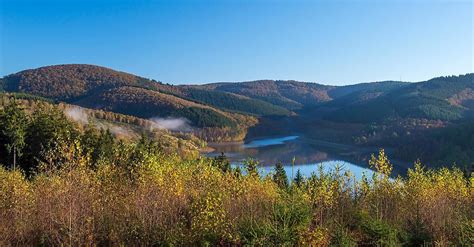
pixel 443 98
pixel 224 111
pixel 51 122
pixel 289 94
pixel 73 82
pixel 222 116
pixel 67 82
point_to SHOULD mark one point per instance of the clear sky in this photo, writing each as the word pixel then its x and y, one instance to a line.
pixel 332 42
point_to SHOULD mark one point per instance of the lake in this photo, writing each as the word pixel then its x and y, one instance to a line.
pixel 308 154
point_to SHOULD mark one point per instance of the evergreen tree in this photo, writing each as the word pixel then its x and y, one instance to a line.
pixel 222 162
pixel 237 171
pixel 280 177
pixel 298 180
pixel 89 139
pixel 14 123
pixel 142 149
pixel 97 144
pixel 105 144
pixel 251 167
pixel 49 132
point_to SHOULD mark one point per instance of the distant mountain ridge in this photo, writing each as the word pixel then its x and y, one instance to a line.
pixel 443 98
pixel 66 82
pixel 238 105
pixel 103 88
pixel 416 120
pixel 288 94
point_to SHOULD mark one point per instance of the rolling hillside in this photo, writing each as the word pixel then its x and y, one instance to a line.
pixel 224 111
pixel 102 88
pixel 72 81
pixel 232 102
pixel 291 95
pixel 442 98
pixel 362 91
pixel 124 127
pixel 149 104
pixel 295 95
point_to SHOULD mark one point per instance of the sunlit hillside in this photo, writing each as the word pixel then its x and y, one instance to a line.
pixel 89 188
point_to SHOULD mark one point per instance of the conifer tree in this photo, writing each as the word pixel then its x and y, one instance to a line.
pixel 280 177
pixel 14 124
pixel 48 132
pixel 251 167
pixel 298 180
pixel 237 171
pixel 222 162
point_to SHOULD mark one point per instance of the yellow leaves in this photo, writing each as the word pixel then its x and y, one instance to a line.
pixel 316 237
pixel 209 216
pixel 175 201
pixel 321 193
pixel 381 163
pixel 15 207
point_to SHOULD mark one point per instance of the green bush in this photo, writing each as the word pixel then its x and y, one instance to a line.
pixel 377 232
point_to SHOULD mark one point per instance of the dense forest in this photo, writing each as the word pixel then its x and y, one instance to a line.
pixel 148 104
pixel 62 184
pixel 391 114
pixel 291 95
pixel 451 145
pixel 233 102
pixel 97 87
pixel 42 124
pixel 443 98
pixel 66 82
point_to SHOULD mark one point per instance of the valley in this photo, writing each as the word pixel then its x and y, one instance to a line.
pixel 235 123
pixel 360 118
pixel 123 143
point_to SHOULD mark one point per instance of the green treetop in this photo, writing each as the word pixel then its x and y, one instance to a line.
pixel 280 177
pixel 14 123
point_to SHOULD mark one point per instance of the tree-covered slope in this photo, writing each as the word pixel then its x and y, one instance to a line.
pixel 75 81
pixel 443 98
pixel 362 91
pixel 102 88
pixel 66 82
pixel 232 102
pixel 127 128
pixel 149 104
pixel 382 86
pixel 288 94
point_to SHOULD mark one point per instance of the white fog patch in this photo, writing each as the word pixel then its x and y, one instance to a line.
pixel 115 130
pixel 120 132
pixel 77 114
pixel 173 124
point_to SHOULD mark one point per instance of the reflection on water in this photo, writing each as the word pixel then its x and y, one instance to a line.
pixel 308 155
pixel 269 142
pixel 327 166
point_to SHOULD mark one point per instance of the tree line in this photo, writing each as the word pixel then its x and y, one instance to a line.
pixel 63 186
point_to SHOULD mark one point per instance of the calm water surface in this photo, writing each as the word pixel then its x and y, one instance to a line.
pixel 309 155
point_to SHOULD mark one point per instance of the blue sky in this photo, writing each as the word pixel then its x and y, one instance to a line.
pixel 330 42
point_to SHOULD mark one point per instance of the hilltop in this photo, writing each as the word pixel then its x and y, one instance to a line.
pixel 102 88
pixel 386 113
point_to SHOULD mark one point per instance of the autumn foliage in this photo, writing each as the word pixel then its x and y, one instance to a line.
pixel 136 195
